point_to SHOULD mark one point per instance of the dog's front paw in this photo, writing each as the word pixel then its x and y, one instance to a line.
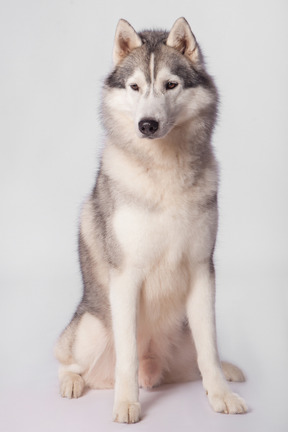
pixel 127 412
pixel 227 402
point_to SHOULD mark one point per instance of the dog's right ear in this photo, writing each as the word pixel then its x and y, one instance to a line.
pixel 126 39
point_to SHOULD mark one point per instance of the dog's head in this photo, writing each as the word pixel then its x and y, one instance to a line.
pixel 158 81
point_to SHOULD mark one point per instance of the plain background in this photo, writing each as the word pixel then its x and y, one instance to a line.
pixel 54 56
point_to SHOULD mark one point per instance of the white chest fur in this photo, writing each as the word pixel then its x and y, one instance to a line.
pixel 145 236
pixel 172 224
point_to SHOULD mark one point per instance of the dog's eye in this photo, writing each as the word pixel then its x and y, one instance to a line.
pixel 171 85
pixel 134 87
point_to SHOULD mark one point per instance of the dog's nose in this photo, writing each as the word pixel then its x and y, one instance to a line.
pixel 148 126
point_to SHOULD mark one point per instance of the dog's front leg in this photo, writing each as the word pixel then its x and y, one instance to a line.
pixel 201 315
pixel 124 289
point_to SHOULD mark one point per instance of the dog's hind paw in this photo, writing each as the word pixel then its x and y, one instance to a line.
pixel 125 412
pixel 232 372
pixel 150 373
pixel 227 403
pixel 71 385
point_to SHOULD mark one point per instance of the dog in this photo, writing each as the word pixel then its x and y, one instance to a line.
pixel 148 231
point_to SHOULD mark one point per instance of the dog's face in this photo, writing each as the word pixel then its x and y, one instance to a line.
pixel 161 102
pixel 158 82
pixel 154 103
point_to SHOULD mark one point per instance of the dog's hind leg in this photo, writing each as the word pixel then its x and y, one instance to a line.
pixel 78 350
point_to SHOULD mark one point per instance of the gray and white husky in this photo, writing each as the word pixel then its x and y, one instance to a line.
pixel 148 232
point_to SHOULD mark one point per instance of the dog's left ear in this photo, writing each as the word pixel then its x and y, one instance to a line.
pixel 182 39
pixel 126 39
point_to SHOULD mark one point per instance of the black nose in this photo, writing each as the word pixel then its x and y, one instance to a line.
pixel 148 126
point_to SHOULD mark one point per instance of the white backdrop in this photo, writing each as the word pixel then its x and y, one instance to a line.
pixel 54 56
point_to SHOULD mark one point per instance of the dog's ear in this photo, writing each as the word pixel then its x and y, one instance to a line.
pixel 182 39
pixel 126 39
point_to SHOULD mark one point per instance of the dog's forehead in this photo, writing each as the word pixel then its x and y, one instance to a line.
pixel 163 61
pixel 157 64
pixel 151 67
pixel 166 60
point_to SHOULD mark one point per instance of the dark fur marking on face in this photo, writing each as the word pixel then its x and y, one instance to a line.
pixel 154 42
pixel 138 58
pixel 190 76
pixel 117 78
